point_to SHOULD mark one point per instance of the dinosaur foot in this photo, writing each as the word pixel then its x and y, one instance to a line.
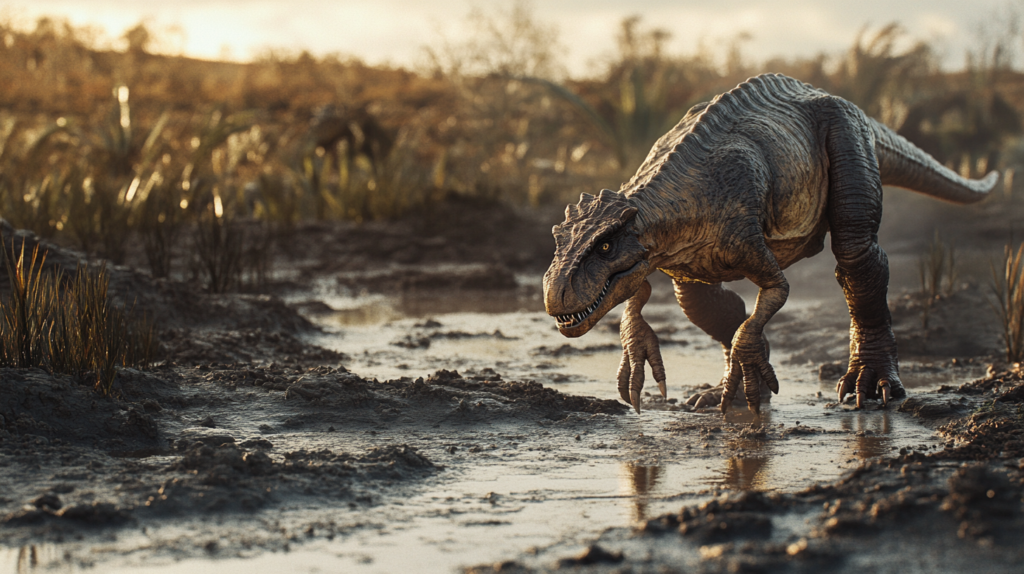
pixel 712 397
pixel 865 382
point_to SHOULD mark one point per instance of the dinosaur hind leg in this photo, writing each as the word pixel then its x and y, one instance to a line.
pixel 718 312
pixel 854 213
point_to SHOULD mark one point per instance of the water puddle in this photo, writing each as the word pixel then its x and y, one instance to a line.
pixel 540 485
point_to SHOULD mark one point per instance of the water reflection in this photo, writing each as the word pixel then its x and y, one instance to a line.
pixel 749 470
pixel 28 559
pixel 643 481
pixel 871 434
pixel 372 313
pixel 746 473
pixel 36 558
pixel 374 310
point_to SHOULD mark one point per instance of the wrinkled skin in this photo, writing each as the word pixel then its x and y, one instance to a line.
pixel 743 187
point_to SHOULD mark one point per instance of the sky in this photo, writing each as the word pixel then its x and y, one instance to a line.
pixel 395 31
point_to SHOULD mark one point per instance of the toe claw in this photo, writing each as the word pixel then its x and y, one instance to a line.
pixel 624 395
pixel 886 392
pixel 663 388
pixel 635 396
pixel 860 400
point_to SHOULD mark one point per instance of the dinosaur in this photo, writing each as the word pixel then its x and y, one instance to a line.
pixel 743 187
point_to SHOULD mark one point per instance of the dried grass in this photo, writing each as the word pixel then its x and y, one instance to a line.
pixel 1008 288
pixel 67 324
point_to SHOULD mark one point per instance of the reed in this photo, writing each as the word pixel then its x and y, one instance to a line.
pixel 1008 288
pixel 67 324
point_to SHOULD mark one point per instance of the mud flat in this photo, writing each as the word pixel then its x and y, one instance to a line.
pixel 437 422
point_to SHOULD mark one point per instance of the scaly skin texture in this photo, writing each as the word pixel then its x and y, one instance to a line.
pixel 743 187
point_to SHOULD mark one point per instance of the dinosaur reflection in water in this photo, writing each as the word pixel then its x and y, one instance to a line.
pixel 871 434
pixel 745 473
pixel 643 480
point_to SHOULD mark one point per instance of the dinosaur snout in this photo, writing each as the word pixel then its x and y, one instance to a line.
pixel 559 297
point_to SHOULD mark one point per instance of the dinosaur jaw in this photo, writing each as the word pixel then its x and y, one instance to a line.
pixel 619 287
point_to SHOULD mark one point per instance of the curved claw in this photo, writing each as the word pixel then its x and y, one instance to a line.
pixel 623 376
pixel 732 382
pixel 635 400
pixel 845 385
pixel 886 392
pixel 751 389
pixel 863 380
pixel 663 388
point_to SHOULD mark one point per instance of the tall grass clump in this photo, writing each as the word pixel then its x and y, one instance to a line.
pixel 1008 287
pixel 67 324
pixel 937 268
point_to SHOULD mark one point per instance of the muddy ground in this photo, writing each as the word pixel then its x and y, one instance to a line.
pixel 395 400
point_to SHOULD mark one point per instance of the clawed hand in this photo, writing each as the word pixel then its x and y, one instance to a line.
pixel 639 345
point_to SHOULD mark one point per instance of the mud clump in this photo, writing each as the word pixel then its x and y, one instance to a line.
pixel 195 347
pixel 932 409
pixel 229 478
pixel 983 500
pixel 995 428
pixel 593 554
pixel 737 516
pixel 521 394
pixel 86 514
pixel 447 394
pixel 37 406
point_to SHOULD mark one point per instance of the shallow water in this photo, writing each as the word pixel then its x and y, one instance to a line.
pixel 541 485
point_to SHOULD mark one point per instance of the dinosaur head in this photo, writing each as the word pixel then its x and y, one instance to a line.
pixel 599 262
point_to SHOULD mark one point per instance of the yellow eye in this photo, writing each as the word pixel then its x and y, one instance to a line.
pixel 605 247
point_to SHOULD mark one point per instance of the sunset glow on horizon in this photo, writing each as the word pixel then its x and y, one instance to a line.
pixel 396 31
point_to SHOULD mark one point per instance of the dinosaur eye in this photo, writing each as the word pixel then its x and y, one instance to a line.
pixel 605 247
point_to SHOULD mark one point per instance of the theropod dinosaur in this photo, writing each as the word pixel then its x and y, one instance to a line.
pixel 743 187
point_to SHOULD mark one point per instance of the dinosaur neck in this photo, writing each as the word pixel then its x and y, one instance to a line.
pixel 665 221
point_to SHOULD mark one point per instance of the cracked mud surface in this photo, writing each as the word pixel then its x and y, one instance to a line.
pixel 401 403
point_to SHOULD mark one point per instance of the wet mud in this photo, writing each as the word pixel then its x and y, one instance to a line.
pixel 398 401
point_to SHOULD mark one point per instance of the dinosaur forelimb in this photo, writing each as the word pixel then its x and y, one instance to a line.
pixel 748 360
pixel 639 346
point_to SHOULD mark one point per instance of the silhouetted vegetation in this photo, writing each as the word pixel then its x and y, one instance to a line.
pixel 109 150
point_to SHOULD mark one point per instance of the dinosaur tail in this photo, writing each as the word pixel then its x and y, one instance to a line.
pixel 903 164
